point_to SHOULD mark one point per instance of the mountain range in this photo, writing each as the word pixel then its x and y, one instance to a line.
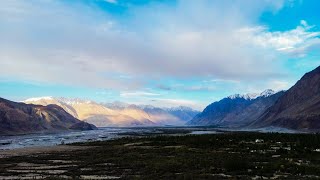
pixel 297 108
pixel 21 118
pixel 236 110
pixel 118 113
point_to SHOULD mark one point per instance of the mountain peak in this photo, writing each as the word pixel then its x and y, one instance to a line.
pixel 252 96
pixel 180 108
pixel 39 98
pixel 71 101
pixel 267 93
pixel 248 96
pixel 60 99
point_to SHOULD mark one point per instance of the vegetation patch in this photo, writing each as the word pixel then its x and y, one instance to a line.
pixel 212 156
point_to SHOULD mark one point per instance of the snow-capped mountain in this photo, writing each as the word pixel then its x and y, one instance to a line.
pixel 249 96
pixel 236 110
pixel 40 98
pixel 180 108
pixel 267 93
pixel 252 96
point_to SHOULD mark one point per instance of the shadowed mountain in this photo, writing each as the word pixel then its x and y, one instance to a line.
pixel 236 110
pixel 298 108
pixel 20 118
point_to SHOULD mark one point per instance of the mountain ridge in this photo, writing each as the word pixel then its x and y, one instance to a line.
pixel 236 110
pixel 298 108
pixel 119 113
pixel 21 118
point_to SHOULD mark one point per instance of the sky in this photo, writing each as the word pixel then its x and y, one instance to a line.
pixel 159 52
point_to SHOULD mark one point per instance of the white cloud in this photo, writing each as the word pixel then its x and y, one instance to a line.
pixel 295 41
pixel 304 23
pixel 221 80
pixel 138 94
pixel 194 39
pixel 167 102
pixel 200 88
pixel 111 1
pixel 204 86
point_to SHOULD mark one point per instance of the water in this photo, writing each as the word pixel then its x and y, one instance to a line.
pixel 199 132
pixel 32 140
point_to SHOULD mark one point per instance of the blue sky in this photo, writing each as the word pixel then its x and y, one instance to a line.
pixel 160 52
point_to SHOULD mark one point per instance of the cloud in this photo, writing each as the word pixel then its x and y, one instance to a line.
pixel 138 94
pixel 187 87
pixel 83 43
pixel 164 87
pixel 167 102
pixel 279 85
pixel 200 88
pixel 111 1
pixel 295 42
pixel 221 81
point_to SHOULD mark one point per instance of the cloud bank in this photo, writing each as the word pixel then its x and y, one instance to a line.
pixel 78 43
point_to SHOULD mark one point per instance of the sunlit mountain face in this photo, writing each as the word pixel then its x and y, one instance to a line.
pixel 160 53
pixel 119 114
pixel 19 118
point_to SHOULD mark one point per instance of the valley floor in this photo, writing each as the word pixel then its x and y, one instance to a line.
pixel 244 155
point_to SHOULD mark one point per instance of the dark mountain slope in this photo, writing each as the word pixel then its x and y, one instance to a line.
pixel 215 113
pixel 20 118
pixel 252 112
pixel 298 108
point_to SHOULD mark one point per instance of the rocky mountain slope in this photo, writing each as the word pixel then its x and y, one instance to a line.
pixel 115 114
pixel 298 108
pixel 20 118
pixel 91 112
pixel 236 110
